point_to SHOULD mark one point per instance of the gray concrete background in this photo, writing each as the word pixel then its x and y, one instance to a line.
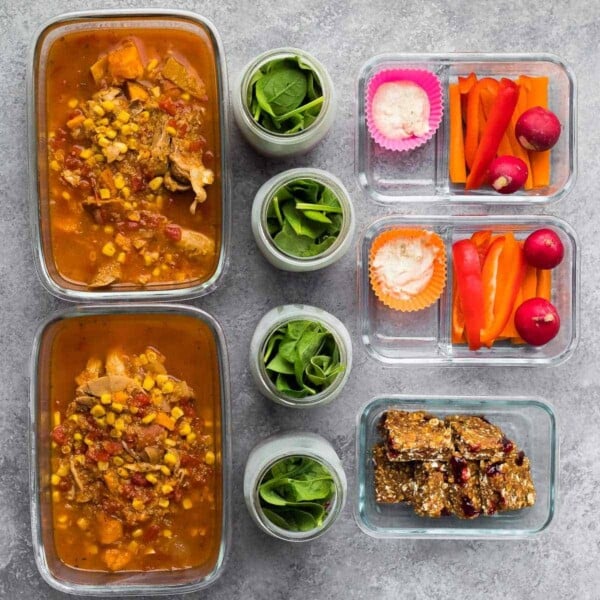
pixel 345 563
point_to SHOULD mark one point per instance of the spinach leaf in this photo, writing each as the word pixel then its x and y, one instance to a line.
pixel 302 358
pixel 284 96
pixel 304 218
pixel 295 493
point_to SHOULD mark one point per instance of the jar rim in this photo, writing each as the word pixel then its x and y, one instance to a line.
pixel 262 59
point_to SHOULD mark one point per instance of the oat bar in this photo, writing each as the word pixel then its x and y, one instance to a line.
pixel 413 436
pixel 393 481
pixel 474 438
pixel 506 485
pixel 464 493
pixel 430 497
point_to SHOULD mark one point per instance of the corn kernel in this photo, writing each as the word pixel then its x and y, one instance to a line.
pixel 109 249
pixel 187 504
pixel 168 387
pixel 161 379
pixel 104 142
pixel 104 193
pixel 75 121
pixel 118 461
pixel 119 181
pixel 56 495
pixel 156 272
pixel 97 411
pixel 92 549
pixel 106 398
pixel 121 472
pixel 151 478
pixel 121 147
pixel 143 359
pixel 123 116
pixel 120 424
pixel 185 429
pixel 190 437
pixel 170 459
pixel 108 105
pixel 171 130
pixel 117 407
pixel 98 110
pixel 111 134
pixel 152 64
pixel 88 123
pixel 62 471
pixel 134 410
pixel 109 229
pixel 137 504
pixel 148 383
pixel 63 518
pixel 167 533
pixel 176 412
pixel 110 418
pixel 155 91
pixel 132 144
pixel 169 442
pixel 86 153
pixel 133 546
pixel 102 465
pixel 134 127
pixel 99 158
pixel 126 129
pixel 66 195
pixel 149 418
pixel 56 418
pixel 185 96
pixel 137 533
pixel 145 115
pixel 209 458
pixel 133 216
pixel 165 470
pixel 54 479
pixel 55 166
pixel 155 183
pixel 80 459
pixel 164 503
pixel 77 436
pixel 121 257
pixel 72 103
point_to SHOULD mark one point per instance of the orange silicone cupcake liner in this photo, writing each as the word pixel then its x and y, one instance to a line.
pixel 433 290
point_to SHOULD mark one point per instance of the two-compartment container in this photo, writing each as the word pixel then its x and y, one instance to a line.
pixel 175 325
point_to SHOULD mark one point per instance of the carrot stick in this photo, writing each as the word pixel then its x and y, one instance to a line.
pixel 528 290
pixel 537 95
pixel 488 93
pixel 457 167
pixel 464 86
pixel 517 149
pixel 510 331
pixel 544 284
pixel 472 130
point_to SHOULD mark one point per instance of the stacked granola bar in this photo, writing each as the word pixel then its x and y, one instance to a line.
pixel 461 465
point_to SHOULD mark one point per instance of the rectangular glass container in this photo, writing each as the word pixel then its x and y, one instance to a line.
pixel 421 175
pixel 423 337
pixel 529 422
pixel 150 19
pixel 54 571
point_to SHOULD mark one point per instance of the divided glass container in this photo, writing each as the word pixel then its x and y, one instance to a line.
pixel 529 422
pixel 421 175
pixel 424 337
pixel 125 22
pixel 62 344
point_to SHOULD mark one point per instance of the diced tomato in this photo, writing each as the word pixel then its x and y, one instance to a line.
pixel 140 480
pixel 140 399
pixel 189 460
pixel 197 144
pixel 151 533
pixel 59 434
pixel 173 232
pixel 183 127
pixel 137 183
pixel 128 491
pixel 71 162
pixel 112 447
pixel 97 454
pixel 168 106
pixel 188 410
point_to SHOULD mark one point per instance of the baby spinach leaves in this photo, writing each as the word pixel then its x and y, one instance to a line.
pixel 285 96
pixel 296 492
pixel 302 358
pixel 304 218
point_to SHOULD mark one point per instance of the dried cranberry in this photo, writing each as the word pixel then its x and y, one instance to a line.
pixel 520 458
pixel 492 508
pixel 59 435
pixel 507 445
pixel 459 469
pixel 173 232
pixel 468 509
pixel 493 470
pixel 140 480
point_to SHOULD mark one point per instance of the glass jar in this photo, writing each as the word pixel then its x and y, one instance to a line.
pixel 270 451
pixel 263 238
pixel 279 316
pixel 279 145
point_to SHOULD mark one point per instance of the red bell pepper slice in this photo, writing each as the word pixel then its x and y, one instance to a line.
pixel 467 268
pixel 458 319
pixel 510 273
pixel 483 240
pixel 489 275
pixel 496 124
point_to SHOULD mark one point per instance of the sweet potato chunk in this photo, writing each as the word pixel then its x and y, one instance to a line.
pixel 116 559
pixel 109 530
pixel 98 70
pixel 125 62
pixel 136 91
pixel 184 77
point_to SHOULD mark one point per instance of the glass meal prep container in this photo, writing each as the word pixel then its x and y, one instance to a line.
pixel 283 446
pixel 421 175
pixel 189 264
pixel 529 422
pixel 424 337
pixel 70 551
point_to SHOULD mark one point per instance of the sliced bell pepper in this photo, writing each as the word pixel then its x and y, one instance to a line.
pixel 458 319
pixel 488 92
pixel 464 87
pixel 482 240
pixel 500 115
pixel 489 275
pixel 511 269
pixel 467 268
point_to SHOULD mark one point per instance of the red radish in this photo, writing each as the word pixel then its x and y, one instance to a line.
pixel 537 129
pixel 543 249
pixel 537 321
pixel 507 174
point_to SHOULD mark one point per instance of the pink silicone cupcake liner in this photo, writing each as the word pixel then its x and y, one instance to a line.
pixel 433 88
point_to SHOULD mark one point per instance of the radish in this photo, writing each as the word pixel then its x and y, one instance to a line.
pixel 537 129
pixel 537 321
pixel 543 249
pixel 507 174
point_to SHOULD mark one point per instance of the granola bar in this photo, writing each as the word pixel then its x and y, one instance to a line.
pixel 413 436
pixel 430 498
pixel 464 493
pixel 393 481
pixel 477 439
pixel 507 485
